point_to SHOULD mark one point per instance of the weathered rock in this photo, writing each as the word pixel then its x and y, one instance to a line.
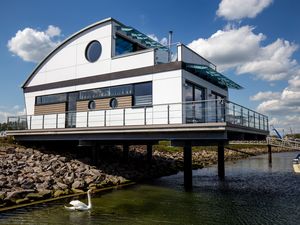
pixel 62 186
pixel 76 191
pixel 62 159
pixel 18 194
pixel 42 194
pixel 78 184
pixel 28 184
pixel 69 179
pixel 58 193
pixel 89 180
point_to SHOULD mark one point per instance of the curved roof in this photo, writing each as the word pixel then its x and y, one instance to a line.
pixel 129 31
pixel 64 43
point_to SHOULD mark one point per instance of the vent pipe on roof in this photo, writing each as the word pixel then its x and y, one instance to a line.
pixel 169 44
pixel 170 39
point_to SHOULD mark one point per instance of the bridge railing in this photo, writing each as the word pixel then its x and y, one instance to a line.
pixel 207 111
pixel 283 143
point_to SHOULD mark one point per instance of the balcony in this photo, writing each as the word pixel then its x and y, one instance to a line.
pixel 208 113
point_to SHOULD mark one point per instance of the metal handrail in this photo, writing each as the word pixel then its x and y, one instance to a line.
pixel 200 112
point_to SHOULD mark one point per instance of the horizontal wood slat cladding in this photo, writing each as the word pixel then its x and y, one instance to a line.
pixel 103 104
pixel 50 109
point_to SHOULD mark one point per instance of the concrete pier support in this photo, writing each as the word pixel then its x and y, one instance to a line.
pixel 221 164
pixel 94 155
pixel 188 173
pixel 149 153
pixel 270 153
pixel 125 152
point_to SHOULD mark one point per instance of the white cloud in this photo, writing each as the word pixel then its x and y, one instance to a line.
pixel 267 95
pixel 283 108
pixel 53 31
pixel 33 45
pixel 10 111
pixel 163 41
pixel 239 48
pixel 239 9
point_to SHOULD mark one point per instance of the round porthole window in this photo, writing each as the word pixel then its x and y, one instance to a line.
pixel 93 51
pixel 92 105
pixel 113 103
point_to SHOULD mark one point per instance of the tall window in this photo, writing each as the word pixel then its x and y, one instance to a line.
pixel 195 110
pixel 124 46
pixel 218 107
pixel 143 94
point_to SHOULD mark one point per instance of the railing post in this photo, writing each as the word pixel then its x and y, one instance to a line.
pixel 168 114
pixel 242 117
pixel 248 118
pixel 233 108
pixel 124 117
pixel 43 122
pixel 224 110
pixel 105 118
pixel 254 120
pixel 259 121
pixel 56 120
pixel 267 123
pixel 87 119
pixel 30 122
pixel 145 116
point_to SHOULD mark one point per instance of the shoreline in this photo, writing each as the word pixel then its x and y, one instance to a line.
pixel 26 171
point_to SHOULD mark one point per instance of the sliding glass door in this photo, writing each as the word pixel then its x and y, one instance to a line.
pixel 195 106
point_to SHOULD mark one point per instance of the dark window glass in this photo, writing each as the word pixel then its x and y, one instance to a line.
pixel 124 46
pixel 189 93
pixel 51 99
pixel 92 105
pixel 143 89
pixel 106 92
pixel 143 94
pixel 113 103
pixel 93 51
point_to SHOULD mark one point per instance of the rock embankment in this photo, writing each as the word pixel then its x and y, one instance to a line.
pixel 28 175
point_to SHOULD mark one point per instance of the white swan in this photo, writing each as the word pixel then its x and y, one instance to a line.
pixel 80 206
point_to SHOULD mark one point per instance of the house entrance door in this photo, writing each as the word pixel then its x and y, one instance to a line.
pixel 71 110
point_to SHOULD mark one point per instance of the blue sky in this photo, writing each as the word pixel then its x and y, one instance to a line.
pixel 254 42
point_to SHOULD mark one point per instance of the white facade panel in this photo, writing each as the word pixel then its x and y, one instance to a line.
pixel 67 73
pixel 167 87
pixel 81 119
pixel 133 60
pixel 135 116
pixel 61 120
pixel 50 121
pixel 188 56
pixel 96 118
pixel 92 69
pixel 114 117
pixel 62 59
pixel 36 122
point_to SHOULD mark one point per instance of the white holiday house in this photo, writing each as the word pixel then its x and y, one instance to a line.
pixel 109 74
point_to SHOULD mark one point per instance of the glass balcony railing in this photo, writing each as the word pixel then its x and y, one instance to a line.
pixel 198 112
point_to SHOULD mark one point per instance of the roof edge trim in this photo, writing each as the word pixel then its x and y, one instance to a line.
pixel 109 19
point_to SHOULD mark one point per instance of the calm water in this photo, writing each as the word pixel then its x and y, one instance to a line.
pixel 253 193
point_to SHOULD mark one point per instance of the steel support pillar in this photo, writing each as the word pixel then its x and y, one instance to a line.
pixel 94 155
pixel 149 153
pixel 125 152
pixel 188 173
pixel 221 164
pixel 270 153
